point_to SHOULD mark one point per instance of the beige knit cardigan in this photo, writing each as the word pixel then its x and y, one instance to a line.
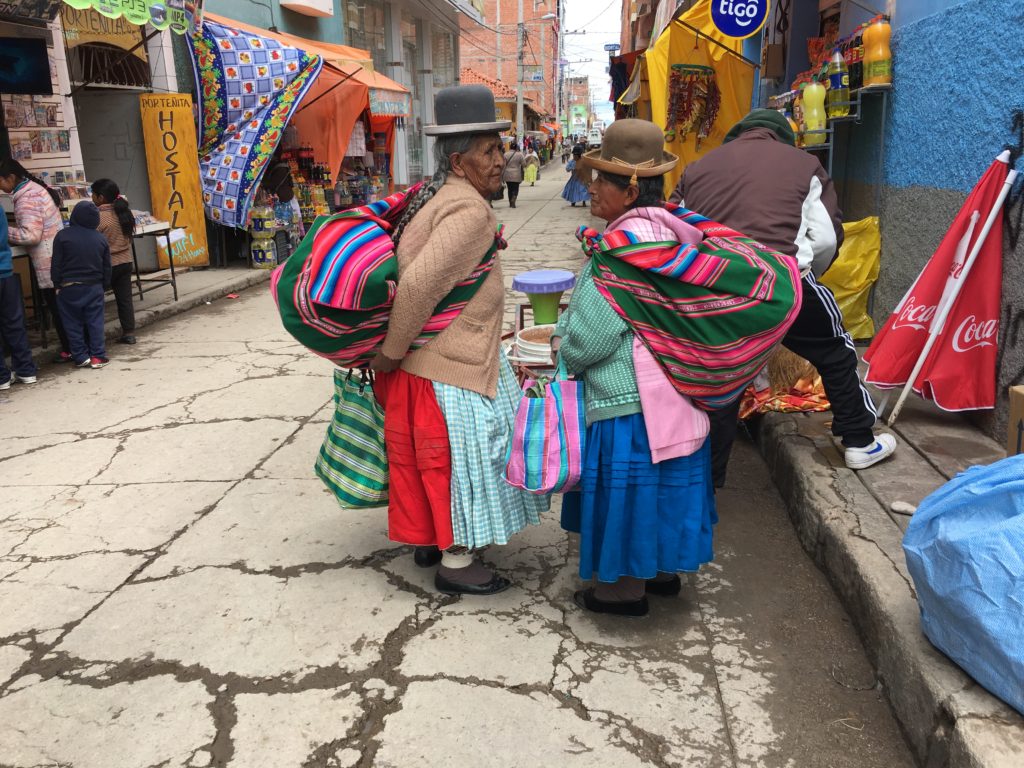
pixel 441 245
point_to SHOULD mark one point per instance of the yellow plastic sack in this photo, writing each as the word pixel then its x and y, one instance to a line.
pixel 852 274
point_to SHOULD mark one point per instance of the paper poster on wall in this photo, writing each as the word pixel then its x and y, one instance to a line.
pixel 173 164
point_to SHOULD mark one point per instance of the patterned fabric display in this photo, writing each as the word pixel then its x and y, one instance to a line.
pixel 334 293
pixel 352 461
pixel 709 313
pixel 248 87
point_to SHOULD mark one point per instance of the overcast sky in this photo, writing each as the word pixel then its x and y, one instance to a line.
pixel 601 20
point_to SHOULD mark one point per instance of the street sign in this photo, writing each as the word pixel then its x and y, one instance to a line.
pixel 739 18
pixel 612 46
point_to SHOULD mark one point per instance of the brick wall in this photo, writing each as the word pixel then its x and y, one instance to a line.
pixel 491 49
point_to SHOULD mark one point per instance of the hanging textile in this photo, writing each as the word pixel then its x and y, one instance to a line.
pixel 693 102
pixel 249 86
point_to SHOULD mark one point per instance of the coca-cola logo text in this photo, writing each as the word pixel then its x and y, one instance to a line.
pixel 914 315
pixel 973 334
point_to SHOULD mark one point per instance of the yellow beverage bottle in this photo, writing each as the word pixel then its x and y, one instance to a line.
pixel 877 55
pixel 814 114
pixel 838 86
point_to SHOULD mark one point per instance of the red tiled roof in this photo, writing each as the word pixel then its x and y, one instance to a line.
pixel 502 91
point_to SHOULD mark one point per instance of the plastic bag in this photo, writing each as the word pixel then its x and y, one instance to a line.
pixel 965 552
pixel 353 462
pixel 854 272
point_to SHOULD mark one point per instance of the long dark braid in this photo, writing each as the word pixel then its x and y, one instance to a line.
pixel 11 167
pixel 444 148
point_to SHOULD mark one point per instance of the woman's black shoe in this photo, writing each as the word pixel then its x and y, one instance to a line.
pixel 668 588
pixel 426 557
pixel 584 598
pixel 126 339
pixel 448 587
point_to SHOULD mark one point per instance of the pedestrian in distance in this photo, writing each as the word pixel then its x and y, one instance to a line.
pixel 575 189
pixel 38 220
pixel 788 202
pixel 645 508
pixel 81 273
pixel 513 174
pixel 532 167
pixel 449 404
pixel 13 337
pixel 117 224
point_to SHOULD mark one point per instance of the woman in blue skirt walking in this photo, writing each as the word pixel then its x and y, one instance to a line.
pixel 645 508
pixel 575 191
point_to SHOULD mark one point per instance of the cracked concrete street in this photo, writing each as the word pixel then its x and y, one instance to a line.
pixel 178 589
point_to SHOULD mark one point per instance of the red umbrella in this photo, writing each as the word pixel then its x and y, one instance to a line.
pixel 941 339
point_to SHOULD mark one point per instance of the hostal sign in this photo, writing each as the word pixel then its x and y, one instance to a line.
pixel 739 18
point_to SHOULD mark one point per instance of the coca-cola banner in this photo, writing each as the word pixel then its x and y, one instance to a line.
pixel 960 372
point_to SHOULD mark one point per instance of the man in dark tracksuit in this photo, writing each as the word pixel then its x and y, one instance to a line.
pixel 760 184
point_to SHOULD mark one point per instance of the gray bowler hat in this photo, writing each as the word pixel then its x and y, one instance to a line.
pixel 465 109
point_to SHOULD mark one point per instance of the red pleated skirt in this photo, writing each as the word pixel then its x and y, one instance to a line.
pixel 419 460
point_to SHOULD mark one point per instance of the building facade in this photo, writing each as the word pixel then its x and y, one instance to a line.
pixel 491 47
pixel 577 105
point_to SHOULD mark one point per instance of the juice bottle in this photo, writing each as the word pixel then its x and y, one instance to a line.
pixel 856 62
pixel 877 56
pixel 814 113
pixel 838 86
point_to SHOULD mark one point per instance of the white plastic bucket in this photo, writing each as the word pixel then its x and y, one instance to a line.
pixel 534 350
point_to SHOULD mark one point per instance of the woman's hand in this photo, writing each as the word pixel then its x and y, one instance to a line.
pixel 556 343
pixel 382 364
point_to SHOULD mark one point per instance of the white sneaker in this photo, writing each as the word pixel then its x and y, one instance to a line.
pixel 5 384
pixel 23 379
pixel 883 447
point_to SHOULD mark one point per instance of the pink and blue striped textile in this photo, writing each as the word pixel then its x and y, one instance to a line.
pixel 546 451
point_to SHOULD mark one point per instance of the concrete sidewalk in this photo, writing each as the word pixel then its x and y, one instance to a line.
pixel 846 522
pixel 195 288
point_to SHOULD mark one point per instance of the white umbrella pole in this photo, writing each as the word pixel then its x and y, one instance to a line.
pixel 944 311
pixel 945 303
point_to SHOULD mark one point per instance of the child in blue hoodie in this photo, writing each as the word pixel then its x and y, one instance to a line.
pixel 13 338
pixel 81 273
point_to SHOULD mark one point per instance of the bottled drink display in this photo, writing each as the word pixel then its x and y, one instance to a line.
pixel 262 249
pixel 877 56
pixel 814 113
pixel 838 99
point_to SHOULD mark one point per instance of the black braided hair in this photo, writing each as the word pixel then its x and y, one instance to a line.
pixel 444 148
pixel 11 167
pixel 110 193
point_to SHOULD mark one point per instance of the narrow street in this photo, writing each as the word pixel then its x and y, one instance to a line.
pixel 178 589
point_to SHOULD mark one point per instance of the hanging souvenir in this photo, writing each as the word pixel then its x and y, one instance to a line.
pixel 693 101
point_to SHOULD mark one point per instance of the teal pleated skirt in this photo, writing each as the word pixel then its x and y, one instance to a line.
pixel 485 509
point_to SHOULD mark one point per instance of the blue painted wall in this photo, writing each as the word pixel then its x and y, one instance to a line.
pixel 264 13
pixel 957 78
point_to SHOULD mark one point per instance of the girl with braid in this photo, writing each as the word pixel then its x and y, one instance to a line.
pixel 37 211
pixel 449 404
pixel 117 224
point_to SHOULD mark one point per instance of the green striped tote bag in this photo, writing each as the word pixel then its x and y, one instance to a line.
pixel 352 461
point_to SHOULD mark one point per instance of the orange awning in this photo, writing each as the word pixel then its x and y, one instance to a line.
pixel 341 57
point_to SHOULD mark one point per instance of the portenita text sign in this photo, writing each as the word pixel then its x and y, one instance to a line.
pixel 173 162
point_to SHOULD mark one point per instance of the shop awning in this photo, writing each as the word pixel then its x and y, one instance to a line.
pixel 551 128
pixel 158 15
pixel 386 97
pixel 342 57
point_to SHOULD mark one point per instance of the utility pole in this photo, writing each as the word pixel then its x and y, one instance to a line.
pixel 520 33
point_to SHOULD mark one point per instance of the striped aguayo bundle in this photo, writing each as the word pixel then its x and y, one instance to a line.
pixel 335 292
pixel 710 313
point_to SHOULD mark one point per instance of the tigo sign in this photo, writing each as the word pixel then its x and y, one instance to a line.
pixel 739 18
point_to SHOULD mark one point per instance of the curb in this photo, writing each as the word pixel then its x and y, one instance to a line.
pixel 948 719
pixel 144 315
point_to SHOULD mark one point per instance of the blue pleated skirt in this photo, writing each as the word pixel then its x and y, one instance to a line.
pixel 636 518
pixel 574 190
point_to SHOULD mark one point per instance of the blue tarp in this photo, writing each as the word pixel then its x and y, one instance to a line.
pixel 965 552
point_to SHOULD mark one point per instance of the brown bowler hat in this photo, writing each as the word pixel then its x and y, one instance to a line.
pixel 632 148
